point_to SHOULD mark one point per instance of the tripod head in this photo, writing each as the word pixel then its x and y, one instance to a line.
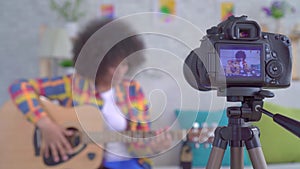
pixel 252 107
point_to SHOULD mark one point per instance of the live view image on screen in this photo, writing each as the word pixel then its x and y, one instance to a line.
pixel 239 61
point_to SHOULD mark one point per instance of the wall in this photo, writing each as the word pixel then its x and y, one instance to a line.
pixel 168 45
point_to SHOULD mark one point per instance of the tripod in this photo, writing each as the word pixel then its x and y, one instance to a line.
pixel 239 133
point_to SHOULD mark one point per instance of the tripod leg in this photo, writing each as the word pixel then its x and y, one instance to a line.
pixel 215 158
pixel 255 152
pixel 236 158
pixel 257 158
pixel 217 152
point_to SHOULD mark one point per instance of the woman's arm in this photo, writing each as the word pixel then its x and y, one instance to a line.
pixel 25 94
pixel 158 142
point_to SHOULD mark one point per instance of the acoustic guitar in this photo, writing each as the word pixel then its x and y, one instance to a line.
pixel 21 143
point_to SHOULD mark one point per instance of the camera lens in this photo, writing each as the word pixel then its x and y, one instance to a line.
pixel 274 69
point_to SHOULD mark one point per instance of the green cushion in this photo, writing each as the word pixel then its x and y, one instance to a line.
pixel 278 144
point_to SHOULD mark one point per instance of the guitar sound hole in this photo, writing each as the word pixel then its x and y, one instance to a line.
pixel 74 140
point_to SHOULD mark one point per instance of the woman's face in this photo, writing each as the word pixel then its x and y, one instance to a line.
pixel 117 73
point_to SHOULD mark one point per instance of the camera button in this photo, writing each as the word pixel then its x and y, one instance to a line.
pixel 284 38
pixel 274 54
pixel 268 49
pixel 274 69
pixel 273 81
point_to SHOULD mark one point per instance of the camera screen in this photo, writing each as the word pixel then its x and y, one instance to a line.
pixel 241 60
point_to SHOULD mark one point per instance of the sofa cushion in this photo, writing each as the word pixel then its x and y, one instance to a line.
pixel 278 144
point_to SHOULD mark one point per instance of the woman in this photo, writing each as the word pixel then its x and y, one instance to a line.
pixel 98 81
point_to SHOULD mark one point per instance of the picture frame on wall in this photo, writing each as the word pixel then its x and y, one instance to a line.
pixel 227 9
pixel 106 9
pixel 165 9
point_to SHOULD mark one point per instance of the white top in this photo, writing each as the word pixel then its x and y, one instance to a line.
pixel 115 121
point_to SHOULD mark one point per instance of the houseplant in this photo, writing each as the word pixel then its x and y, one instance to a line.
pixel 67 65
pixel 70 11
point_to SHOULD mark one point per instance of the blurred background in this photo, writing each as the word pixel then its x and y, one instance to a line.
pixel 36 39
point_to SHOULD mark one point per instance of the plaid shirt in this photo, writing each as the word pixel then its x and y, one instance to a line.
pixel 73 91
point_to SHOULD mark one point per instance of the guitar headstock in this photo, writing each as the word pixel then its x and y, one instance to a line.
pixel 203 134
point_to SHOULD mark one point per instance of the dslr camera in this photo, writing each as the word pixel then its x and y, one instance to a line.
pixel 235 53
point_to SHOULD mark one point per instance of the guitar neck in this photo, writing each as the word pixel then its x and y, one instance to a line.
pixel 129 136
pixel 91 122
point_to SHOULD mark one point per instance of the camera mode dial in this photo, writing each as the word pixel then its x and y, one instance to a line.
pixel 274 68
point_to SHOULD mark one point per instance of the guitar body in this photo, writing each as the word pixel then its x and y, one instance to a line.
pixel 16 141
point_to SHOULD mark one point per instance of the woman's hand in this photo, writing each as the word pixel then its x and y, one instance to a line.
pixel 54 139
pixel 161 142
pixel 149 144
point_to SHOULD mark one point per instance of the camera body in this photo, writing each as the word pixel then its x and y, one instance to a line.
pixel 236 53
